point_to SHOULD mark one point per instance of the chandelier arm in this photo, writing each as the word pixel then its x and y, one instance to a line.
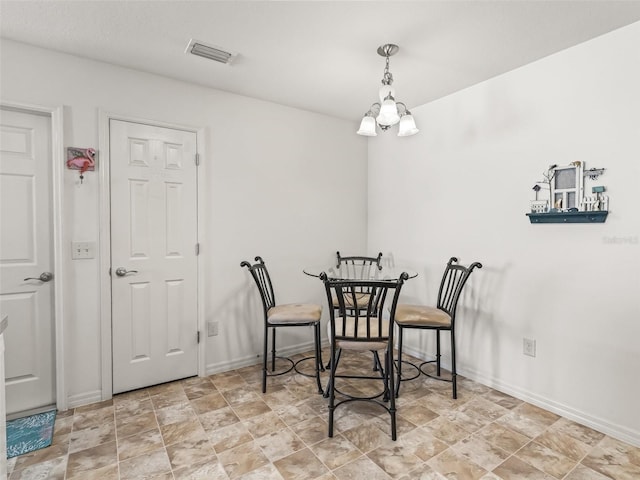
pixel 405 109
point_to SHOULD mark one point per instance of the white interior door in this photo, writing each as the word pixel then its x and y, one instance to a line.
pixel 153 254
pixel 26 264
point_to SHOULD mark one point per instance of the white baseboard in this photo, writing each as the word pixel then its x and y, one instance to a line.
pixel 620 432
pixel 81 399
pixel 246 361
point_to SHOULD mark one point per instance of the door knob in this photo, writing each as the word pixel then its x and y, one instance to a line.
pixel 44 277
pixel 121 271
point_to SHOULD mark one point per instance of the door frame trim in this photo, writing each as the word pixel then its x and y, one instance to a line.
pixel 56 114
pixel 105 241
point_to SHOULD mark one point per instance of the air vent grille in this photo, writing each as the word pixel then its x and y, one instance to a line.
pixel 211 52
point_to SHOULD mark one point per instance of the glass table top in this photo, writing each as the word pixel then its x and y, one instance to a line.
pixel 349 272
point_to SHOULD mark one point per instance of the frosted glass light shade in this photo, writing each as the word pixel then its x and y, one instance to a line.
pixel 388 112
pixel 386 90
pixel 407 126
pixel 367 127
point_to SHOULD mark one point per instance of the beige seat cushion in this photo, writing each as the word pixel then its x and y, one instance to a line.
pixel 295 313
pixel 422 316
pixel 362 334
pixel 361 300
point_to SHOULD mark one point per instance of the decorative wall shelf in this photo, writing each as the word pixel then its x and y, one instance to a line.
pixel 569 217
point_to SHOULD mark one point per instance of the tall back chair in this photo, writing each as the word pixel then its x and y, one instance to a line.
pixel 366 328
pixel 357 267
pixel 440 317
pixel 287 315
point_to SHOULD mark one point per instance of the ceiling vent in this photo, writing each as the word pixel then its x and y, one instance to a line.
pixel 211 52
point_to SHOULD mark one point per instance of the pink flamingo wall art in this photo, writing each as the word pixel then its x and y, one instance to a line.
pixel 83 159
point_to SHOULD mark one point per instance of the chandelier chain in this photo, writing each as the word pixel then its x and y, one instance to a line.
pixel 387 78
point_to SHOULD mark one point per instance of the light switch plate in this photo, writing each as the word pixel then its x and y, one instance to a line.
pixel 83 250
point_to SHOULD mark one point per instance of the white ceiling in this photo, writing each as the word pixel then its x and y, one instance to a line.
pixel 318 55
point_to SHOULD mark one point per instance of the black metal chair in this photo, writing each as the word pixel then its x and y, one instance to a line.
pixel 366 328
pixel 440 317
pixel 357 267
pixel 286 315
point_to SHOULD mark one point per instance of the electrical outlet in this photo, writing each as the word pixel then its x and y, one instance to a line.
pixel 212 328
pixel 83 250
pixel 529 347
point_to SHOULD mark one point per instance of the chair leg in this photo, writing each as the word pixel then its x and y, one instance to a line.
pixel 273 351
pixel 390 381
pixel 331 387
pixel 318 356
pixel 454 376
pixel 399 360
pixel 264 359
pixel 438 352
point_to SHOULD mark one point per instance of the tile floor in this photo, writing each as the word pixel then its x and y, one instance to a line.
pixel 223 427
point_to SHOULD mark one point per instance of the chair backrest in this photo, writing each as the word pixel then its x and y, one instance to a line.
pixel 358 267
pixel 369 322
pixel 453 280
pixel 261 276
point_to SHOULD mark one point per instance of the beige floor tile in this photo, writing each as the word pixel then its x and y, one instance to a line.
pixel 92 418
pixel 212 470
pixel 454 465
pixel 139 423
pixel 132 408
pixel 563 444
pixel 179 412
pixel 189 430
pixel 242 460
pixel 190 452
pixel 515 469
pixel 139 444
pixel 110 472
pixel 280 444
pixel 583 473
pixel 150 465
pixel 446 431
pixel 362 468
pixel 264 424
pixel 223 427
pixel 481 452
pixel 300 465
pixel 92 436
pixel 42 455
pixel 92 458
pixel 394 460
pixel 502 437
pixel 366 437
pixel 198 387
pixel 53 469
pixel 228 438
pixel 208 403
pixel 545 459
pixel 311 431
pixel 336 451
pixel 422 444
pixel 417 413
pixel 216 419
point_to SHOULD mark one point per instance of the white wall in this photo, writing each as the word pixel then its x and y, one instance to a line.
pixel 462 186
pixel 270 184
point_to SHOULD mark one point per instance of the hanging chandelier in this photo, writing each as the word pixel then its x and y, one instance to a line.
pixel 387 112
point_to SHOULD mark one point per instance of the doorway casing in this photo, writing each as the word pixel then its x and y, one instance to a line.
pixel 105 243
pixel 57 196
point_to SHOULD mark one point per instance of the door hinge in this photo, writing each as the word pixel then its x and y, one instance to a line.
pixel 197 249
pixel 197 159
pixel 198 337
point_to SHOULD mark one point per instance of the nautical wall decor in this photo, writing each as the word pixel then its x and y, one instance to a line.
pixel 567 194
